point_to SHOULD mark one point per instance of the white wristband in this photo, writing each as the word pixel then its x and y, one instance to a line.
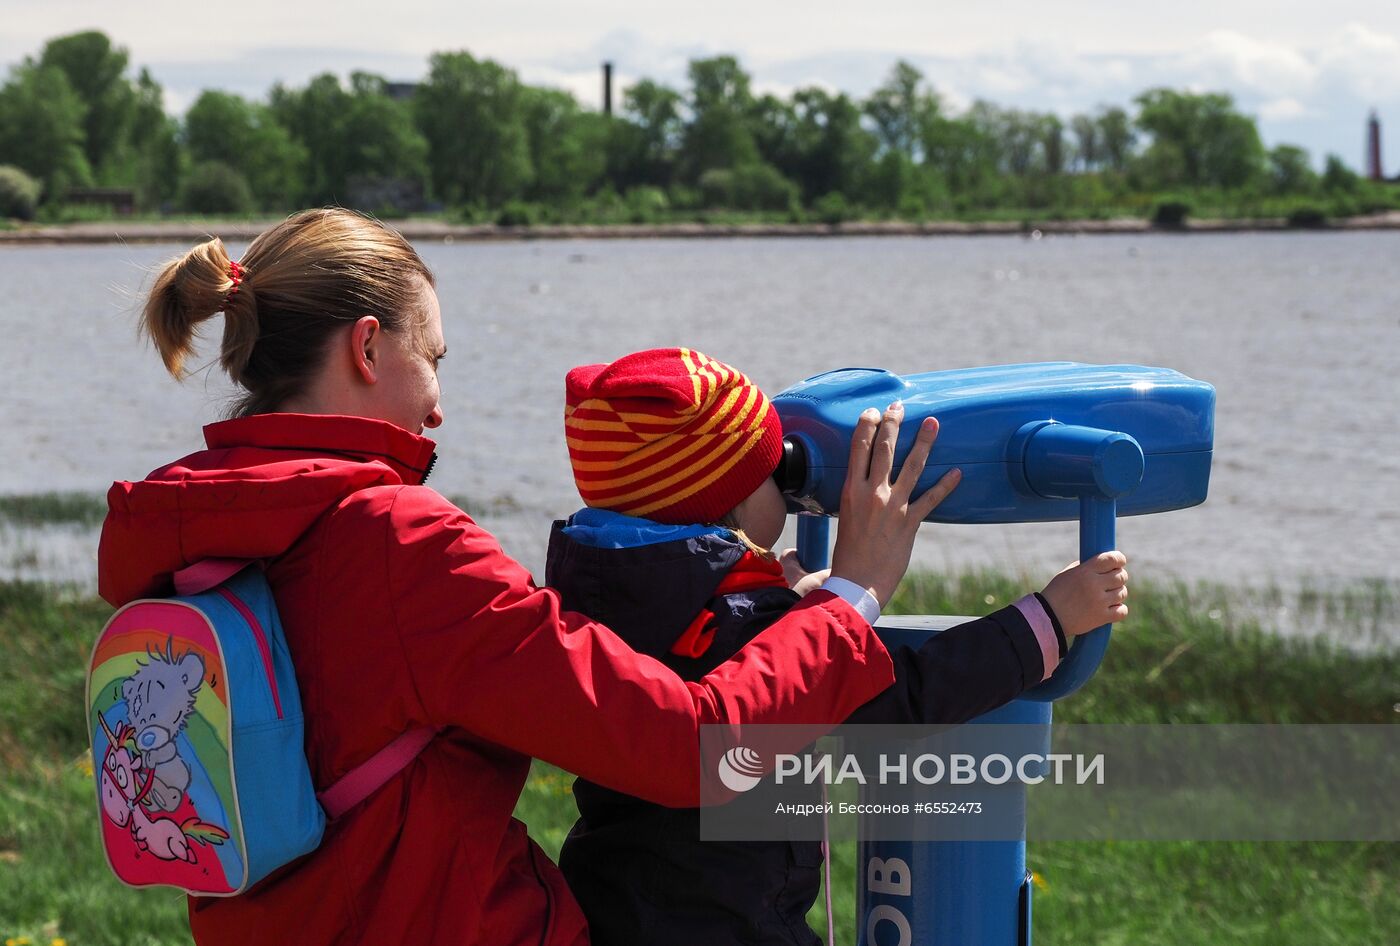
pixel 854 595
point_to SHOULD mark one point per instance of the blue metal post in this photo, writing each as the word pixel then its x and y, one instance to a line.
pixel 814 542
pixel 950 893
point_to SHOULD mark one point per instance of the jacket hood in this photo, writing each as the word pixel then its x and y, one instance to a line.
pixel 644 580
pixel 253 493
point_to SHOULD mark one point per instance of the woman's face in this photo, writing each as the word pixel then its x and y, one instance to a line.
pixel 408 391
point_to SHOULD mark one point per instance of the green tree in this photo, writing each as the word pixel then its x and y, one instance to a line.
pixel 832 152
pixel 226 128
pixel 567 146
pixel 719 134
pixel 1017 138
pixel 755 186
pixel 657 110
pixel 1116 137
pixel 156 155
pixel 213 187
pixel 471 113
pixel 19 193
pixel 901 109
pixel 382 139
pixel 643 145
pixel 1087 143
pixel 1052 143
pixel 41 128
pixel 316 117
pixel 1290 171
pixel 895 183
pixel 351 137
pixel 1198 140
pixel 1337 178
pixel 96 70
pixel 773 123
pixel 965 156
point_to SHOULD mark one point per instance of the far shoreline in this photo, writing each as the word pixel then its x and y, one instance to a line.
pixel 190 230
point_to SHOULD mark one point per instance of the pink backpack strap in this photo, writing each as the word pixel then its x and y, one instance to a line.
pixel 370 775
pixel 364 779
pixel 205 574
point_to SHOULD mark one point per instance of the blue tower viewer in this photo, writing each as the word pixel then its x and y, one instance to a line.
pixel 1037 442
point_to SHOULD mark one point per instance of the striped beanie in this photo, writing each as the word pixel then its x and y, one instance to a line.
pixel 669 435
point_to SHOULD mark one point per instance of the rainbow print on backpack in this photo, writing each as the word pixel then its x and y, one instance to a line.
pixel 197 737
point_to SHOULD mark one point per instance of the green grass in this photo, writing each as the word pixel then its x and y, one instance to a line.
pixel 1185 655
pixel 37 509
pixel 1201 654
pixel 54 882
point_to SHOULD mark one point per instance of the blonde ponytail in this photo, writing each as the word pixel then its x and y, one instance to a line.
pixel 240 326
pixel 187 291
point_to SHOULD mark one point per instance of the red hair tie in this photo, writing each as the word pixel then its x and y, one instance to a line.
pixel 235 273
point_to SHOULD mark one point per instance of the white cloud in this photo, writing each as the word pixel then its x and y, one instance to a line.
pixel 1363 61
pixel 1283 109
pixel 1233 59
pixel 585 86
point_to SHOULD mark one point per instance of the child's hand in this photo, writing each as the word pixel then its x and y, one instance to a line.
pixel 1089 594
pixel 798 578
pixel 879 518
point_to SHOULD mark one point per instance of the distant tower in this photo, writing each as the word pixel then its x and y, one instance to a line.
pixel 607 88
pixel 1373 148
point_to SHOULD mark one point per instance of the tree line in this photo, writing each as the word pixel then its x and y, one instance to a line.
pixel 473 139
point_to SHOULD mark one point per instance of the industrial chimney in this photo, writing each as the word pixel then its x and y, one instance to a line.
pixel 1373 149
pixel 607 88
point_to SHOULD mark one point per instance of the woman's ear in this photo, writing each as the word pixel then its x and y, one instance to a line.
pixel 365 339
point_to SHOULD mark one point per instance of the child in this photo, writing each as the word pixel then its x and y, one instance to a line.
pixel 673 453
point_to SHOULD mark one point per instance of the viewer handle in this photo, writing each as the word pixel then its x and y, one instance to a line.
pixel 1098 520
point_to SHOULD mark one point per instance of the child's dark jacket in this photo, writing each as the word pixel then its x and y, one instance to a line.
pixel 639 869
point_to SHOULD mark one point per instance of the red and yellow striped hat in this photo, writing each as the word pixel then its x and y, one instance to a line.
pixel 668 434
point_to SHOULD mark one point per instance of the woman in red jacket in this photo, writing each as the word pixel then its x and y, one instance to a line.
pixel 401 612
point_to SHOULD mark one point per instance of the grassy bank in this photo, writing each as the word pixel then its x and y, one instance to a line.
pixel 41 509
pixel 1186 655
pixel 726 224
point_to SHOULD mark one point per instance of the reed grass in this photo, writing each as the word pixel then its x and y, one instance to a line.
pixel 1188 654
pixel 41 509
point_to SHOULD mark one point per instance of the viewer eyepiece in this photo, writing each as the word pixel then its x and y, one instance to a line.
pixel 791 473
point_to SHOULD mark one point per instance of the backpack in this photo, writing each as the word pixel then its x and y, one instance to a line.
pixel 197 739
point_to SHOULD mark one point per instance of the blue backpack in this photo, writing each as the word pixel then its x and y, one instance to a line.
pixel 198 739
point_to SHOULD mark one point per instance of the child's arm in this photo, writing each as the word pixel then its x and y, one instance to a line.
pixel 975 667
pixel 486 651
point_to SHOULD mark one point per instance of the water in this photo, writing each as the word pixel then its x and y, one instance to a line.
pixel 1299 332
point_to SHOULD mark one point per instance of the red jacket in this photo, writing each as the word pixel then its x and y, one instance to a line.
pixel 401 612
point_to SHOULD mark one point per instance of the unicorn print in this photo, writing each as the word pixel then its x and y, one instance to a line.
pixel 126 783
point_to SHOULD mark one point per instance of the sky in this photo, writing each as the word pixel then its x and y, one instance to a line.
pixel 1310 72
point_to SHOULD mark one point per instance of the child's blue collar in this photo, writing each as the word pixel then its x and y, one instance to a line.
pixel 605 529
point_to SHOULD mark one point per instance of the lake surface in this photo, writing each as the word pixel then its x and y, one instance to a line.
pixel 1299 332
